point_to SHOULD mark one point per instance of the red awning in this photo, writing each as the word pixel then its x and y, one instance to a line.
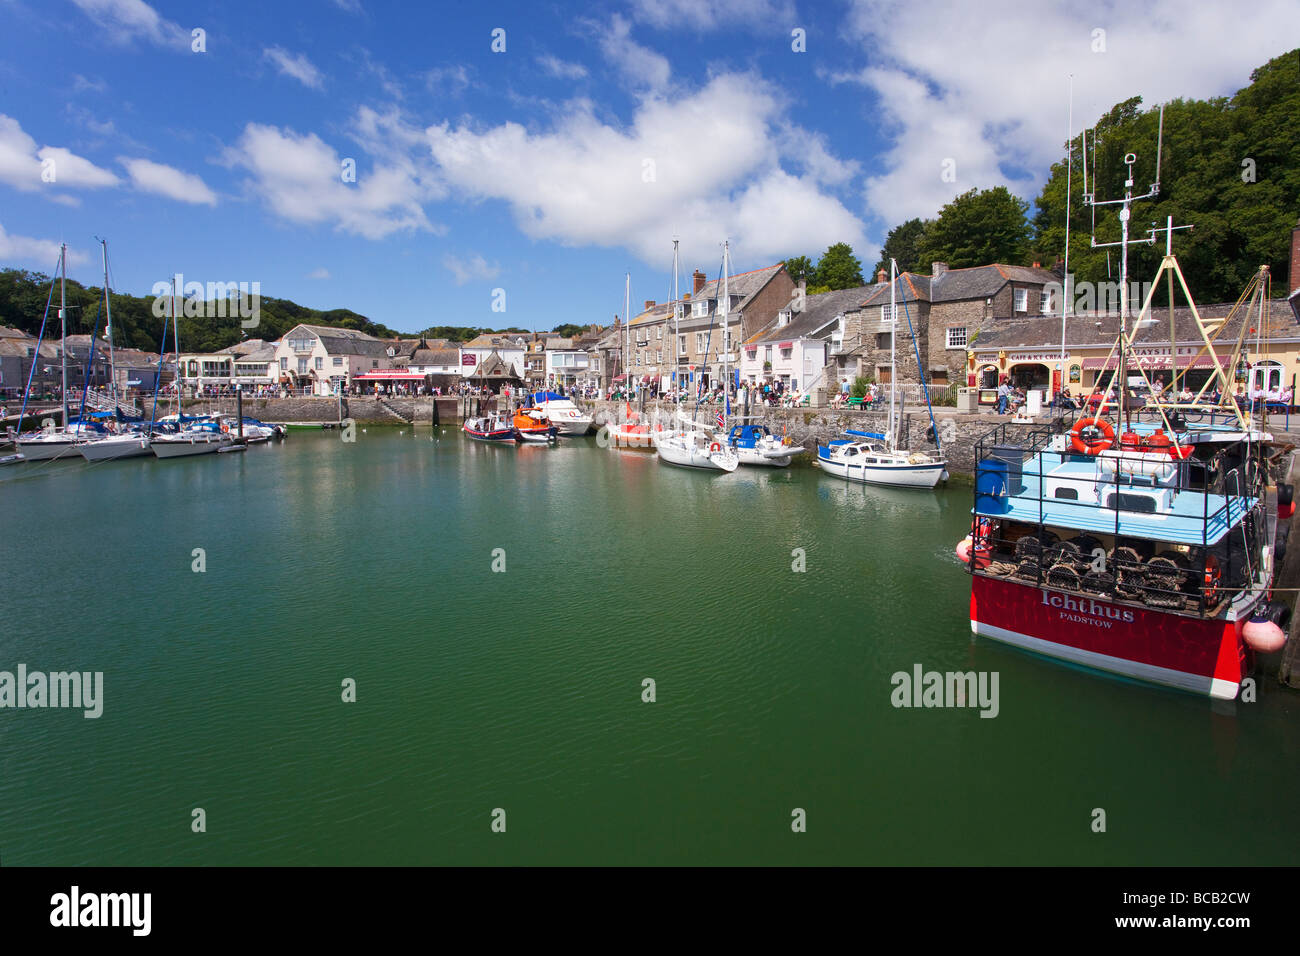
pixel 619 378
pixel 785 345
pixel 388 375
pixel 1149 361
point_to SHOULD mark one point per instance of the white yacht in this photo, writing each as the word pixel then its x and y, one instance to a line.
pixel 564 415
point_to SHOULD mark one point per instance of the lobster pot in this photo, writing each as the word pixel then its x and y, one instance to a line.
pixel 1014 458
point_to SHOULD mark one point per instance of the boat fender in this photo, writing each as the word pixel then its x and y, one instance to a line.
pixel 1212 576
pixel 963 549
pixel 1261 633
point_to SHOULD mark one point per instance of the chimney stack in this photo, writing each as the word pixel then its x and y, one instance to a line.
pixel 700 278
pixel 649 304
pixel 937 269
pixel 882 276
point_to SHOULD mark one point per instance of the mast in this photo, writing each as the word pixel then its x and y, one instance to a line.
pixel 108 313
pixel 1065 276
pixel 726 321
pixel 893 361
pixel 627 330
pixel 176 344
pixel 63 319
pixel 677 360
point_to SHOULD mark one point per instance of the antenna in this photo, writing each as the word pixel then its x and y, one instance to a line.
pixel 1160 141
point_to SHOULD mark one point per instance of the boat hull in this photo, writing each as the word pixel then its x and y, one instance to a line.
pixel 47 450
pixel 900 475
pixel 1203 656
pixel 186 447
pixel 756 456
pixel 689 455
pixel 111 449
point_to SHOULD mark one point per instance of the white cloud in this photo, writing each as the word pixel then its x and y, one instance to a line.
pixel 296 66
pixel 562 68
pixel 349 6
pixel 22 164
pixel 321 273
pixel 301 180
pixel 584 182
pixel 986 84
pixel 167 181
pixel 127 20
pixel 465 270
pixel 81 84
pixel 447 80
pixel 727 14
pixel 643 67
pixel 44 253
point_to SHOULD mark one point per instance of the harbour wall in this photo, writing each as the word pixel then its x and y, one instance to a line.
pixel 810 427
pixel 807 427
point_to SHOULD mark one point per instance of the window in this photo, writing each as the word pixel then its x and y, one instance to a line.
pixel 305 344
pixel 782 318
pixel 374 363
pixel 957 337
pixel 785 354
pixel 659 332
pixel 1022 300
pixel 659 355
pixel 338 361
pixel 681 345
pixel 767 354
pixel 1045 302
pixel 701 342
pixel 888 314
pixel 882 340
pixel 679 310
pixel 284 365
pixel 320 363
pixel 731 341
pixel 699 308
pixel 302 366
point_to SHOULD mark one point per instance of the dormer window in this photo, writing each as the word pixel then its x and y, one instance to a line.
pixel 699 308
pixel 783 318
pixel 679 310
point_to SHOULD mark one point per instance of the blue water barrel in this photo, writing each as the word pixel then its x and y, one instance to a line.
pixel 991 486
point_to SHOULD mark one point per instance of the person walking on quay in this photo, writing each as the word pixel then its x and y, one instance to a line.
pixel 1004 397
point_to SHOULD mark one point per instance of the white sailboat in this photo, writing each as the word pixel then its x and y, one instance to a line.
pixel 56 441
pixel 691 444
pixel 127 444
pixel 876 459
pixel 195 438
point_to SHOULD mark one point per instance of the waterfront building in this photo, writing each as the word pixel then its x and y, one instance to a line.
pixel 794 349
pixel 565 362
pixel 322 359
pixel 509 348
pixel 683 341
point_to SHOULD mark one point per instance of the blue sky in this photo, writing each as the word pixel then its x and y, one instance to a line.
pixel 552 168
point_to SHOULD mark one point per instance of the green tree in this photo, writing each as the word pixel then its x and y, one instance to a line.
pixel 1243 211
pixel 838 268
pixel 801 268
pixel 903 245
pixel 569 330
pixel 977 228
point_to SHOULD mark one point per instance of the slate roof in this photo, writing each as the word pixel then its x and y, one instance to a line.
pixel 495 340
pixel 1091 329
pixel 346 341
pixel 818 311
pixel 436 356
pixel 983 282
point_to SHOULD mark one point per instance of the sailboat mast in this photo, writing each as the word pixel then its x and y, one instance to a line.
pixel 677 361
pixel 726 323
pixel 627 330
pixel 893 361
pixel 108 312
pixel 63 319
pixel 176 344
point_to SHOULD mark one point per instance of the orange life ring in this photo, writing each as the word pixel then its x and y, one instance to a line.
pixel 225 429
pixel 1097 445
pixel 715 447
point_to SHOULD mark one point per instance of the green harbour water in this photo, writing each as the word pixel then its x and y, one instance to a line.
pixel 522 690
